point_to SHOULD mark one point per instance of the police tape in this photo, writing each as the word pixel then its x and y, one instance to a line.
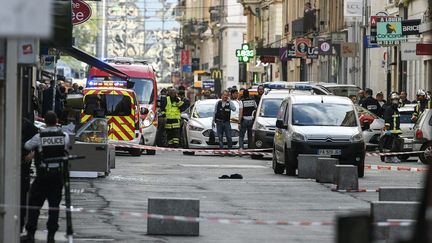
pixel 206 151
pixel 217 220
pixel 396 168
pixel 355 191
pixel 394 153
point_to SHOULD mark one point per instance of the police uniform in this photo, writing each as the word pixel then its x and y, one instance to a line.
pixel 372 105
pixel 248 107
pixel 48 184
pixel 160 133
pixel 392 121
pixel 222 118
pixel 173 107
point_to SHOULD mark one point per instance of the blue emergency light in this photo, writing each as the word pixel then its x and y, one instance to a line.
pixel 106 84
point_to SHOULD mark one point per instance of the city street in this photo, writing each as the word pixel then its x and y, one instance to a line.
pixel 260 195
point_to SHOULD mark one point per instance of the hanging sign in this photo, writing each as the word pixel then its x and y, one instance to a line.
pixel 81 12
pixel 389 31
pixel 302 45
pixel 245 54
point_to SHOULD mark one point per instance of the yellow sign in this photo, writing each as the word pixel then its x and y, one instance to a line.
pixel 216 74
pixel 197 84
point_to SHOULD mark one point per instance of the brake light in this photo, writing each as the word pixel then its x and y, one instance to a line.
pixel 419 134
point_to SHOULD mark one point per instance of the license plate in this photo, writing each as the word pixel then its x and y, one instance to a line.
pixel 407 146
pixel 329 152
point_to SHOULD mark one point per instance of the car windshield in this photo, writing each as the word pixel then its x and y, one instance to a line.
pixel 270 107
pixel 143 89
pixel 204 110
pixel 344 91
pixel 111 105
pixel 324 114
pixel 405 117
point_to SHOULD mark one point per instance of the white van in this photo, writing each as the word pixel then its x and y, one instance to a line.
pixel 321 125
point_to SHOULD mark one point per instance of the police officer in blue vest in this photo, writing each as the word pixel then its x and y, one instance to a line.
pixel 49 143
pixel 222 119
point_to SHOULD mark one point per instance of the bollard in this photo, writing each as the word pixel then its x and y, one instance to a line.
pixel 406 194
pixel 307 165
pixel 173 207
pixel 325 170
pixel 356 228
pixel 346 177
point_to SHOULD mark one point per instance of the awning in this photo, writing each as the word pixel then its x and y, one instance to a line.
pixel 93 61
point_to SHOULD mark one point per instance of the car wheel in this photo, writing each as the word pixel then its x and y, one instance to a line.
pixel 150 152
pixel 290 163
pixel 277 168
pixel 426 157
pixel 135 152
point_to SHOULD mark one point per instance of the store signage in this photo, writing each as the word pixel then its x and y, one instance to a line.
pixel 268 59
pixel 338 37
pixel 312 53
pixel 348 49
pixel 353 10
pixel 368 43
pixel 283 54
pixel 411 27
pixel 81 12
pixel 185 56
pixel 373 23
pixel 48 63
pixel 389 31
pixel 28 51
pixel 291 51
pixel 186 68
pixel 408 52
pixel 301 46
pixel 245 54
pixel 325 47
pixel 424 49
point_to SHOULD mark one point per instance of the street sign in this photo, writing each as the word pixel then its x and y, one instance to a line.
pixel 245 54
pixel 301 46
pixel 324 47
pixel 424 49
pixel 389 31
pixel 25 18
pixel 368 43
pixel 81 12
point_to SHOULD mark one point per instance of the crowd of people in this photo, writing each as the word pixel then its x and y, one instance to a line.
pixel 389 111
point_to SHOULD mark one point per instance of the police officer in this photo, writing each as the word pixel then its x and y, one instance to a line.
pixel 422 103
pixel 371 104
pixel 392 123
pixel 222 118
pixel 246 118
pixel 173 105
pixel 49 143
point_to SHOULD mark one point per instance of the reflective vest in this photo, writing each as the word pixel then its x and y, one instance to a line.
pixel 52 144
pixel 172 109
pixel 420 107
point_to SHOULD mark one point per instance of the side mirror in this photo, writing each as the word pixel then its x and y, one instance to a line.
pixel 184 116
pixel 144 111
pixel 280 124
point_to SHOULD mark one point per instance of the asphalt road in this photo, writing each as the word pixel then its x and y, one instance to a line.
pixel 260 195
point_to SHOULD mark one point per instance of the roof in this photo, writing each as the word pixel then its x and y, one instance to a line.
pixel 304 99
pixel 132 70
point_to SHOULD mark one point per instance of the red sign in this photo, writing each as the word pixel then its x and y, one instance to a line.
pixel 185 56
pixel 268 59
pixel 81 12
pixel 302 45
pixel 424 49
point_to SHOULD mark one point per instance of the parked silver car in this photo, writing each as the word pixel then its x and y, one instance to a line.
pixel 321 125
pixel 423 136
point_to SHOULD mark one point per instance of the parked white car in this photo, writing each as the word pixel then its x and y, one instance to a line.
pixel 197 128
pixel 372 132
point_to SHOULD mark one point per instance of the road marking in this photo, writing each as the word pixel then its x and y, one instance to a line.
pixel 225 166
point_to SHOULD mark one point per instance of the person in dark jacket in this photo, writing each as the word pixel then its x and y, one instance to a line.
pixel 392 124
pixel 222 119
pixel 371 104
pixel 248 106
pixel 260 91
pixel 422 103
pixel 47 101
pixel 403 99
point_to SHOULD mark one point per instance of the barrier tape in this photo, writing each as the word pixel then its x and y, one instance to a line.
pixel 213 219
pixel 206 151
pixel 393 153
pixel 356 191
pixel 396 168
